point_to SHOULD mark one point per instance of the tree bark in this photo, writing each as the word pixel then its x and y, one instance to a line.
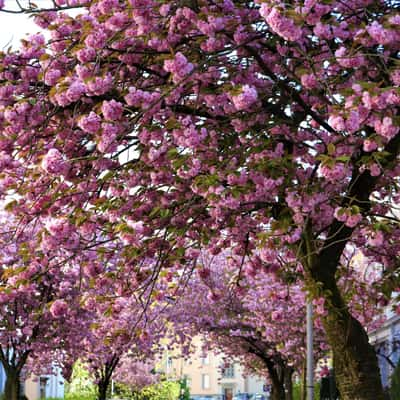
pixel 355 360
pixel 281 382
pixel 356 366
pixel 12 386
pixel 104 376
pixel 277 391
pixel 102 387
pixel 287 378
pixel 276 366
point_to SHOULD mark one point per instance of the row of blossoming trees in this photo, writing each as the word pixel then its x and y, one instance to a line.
pixel 137 135
pixel 57 308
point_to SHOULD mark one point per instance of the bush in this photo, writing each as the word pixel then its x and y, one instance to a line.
pixel 81 383
pixel 166 390
pixel 79 396
pixel 298 389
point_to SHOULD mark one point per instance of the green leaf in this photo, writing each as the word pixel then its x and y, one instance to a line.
pixel 331 148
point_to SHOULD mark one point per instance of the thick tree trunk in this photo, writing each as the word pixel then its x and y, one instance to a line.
pixel 12 386
pixel 355 360
pixel 356 364
pixel 277 391
pixel 288 375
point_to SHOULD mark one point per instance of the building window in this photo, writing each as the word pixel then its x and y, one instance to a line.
pixel 188 380
pixel 42 384
pixel 205 381
pixel 228 371
pixel 205 360
pixel 168 364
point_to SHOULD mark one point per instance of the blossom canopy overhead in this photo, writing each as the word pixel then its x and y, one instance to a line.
pixel 266 127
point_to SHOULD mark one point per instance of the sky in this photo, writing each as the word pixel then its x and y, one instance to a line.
pixel 14 27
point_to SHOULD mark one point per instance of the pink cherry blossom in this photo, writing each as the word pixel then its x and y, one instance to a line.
pixel 353 220
pixel 376 239
pixel 375 169
pixel 369 145
pixel 59 308
pixel 112 110
pixel 309 81
pixel 246 98
pixel 178 66
pixel 54 163
pixel 90 123
pixel 280 24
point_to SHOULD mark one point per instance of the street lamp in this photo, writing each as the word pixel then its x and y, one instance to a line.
pixel 310 352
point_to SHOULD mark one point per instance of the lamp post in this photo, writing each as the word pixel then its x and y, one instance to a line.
pixel 310 352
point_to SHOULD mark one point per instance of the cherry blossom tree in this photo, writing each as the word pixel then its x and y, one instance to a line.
pixel 258 320
pixel 39 307
pixel 170 126
pixel 136 374
pixel 259 317
pixel 124 333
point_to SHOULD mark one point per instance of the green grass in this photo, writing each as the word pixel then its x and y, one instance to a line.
pixel 79 396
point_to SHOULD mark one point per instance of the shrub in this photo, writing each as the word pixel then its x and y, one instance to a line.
pixel 166 390
pixel 79 396
pixel 298 389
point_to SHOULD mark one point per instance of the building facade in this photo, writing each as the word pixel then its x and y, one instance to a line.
pixel 210 375
pixel 386 341
pixel 37 388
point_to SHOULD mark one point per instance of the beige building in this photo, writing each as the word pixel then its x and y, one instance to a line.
pixel 210 375
pixel 43 387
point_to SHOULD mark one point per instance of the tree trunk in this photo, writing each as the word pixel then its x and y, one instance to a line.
pixel 12 386
pixel 276 370
pixel 102 387
pixel 288 374
pixel 355 360
pixel 356 365
pixel 277 391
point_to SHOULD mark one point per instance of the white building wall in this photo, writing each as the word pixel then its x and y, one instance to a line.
pixel 255 384
pixel 388 337
pixel 55 385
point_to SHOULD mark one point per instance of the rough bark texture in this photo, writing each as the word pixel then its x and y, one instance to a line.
pixel 355 360
pixel 12 386
pixel 356 364
pixel 281 381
